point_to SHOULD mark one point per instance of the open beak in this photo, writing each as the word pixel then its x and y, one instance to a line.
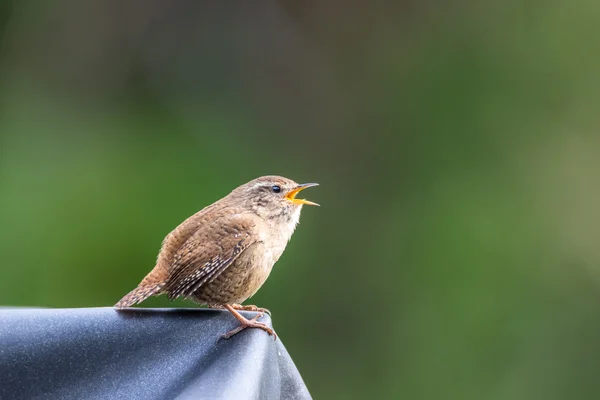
pixel 291 195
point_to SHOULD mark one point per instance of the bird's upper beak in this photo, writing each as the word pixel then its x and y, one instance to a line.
pixel 291 195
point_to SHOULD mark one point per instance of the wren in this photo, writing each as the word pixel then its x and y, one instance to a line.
pixel 223 254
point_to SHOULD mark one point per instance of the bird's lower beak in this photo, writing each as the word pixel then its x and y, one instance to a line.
pixel 291 196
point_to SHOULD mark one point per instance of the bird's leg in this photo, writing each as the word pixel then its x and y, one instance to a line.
pixel 250 308
pixel 247 323
pixel 236 306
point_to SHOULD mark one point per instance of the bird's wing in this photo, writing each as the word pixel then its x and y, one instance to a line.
pixel 206 254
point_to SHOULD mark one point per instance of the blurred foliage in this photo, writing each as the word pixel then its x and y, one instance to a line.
pixel 455 254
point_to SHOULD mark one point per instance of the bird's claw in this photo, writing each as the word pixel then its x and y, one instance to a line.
pixel 251 323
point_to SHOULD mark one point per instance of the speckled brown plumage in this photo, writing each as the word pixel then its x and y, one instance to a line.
pixel 223 254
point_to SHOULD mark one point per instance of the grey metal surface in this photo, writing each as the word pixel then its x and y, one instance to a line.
pixel 99 353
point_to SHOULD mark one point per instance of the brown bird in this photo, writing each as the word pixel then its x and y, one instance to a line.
pixel 223 254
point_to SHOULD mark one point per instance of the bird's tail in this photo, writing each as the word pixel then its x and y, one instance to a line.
pixel 139 294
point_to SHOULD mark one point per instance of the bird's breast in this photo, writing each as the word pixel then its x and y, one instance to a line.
pixel 270 249
pixel 276 237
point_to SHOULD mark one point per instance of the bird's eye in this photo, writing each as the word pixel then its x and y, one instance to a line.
pixel 276 189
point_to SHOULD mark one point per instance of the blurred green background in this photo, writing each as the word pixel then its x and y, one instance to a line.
pixel 456 251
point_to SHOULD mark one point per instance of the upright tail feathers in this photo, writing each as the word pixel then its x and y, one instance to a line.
pixel 139 294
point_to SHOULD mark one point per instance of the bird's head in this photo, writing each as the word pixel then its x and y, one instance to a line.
pixel 273 197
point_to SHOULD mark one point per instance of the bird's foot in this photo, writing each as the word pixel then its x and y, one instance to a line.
pixel 247 323
pixel 251 323
pixel 251 308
